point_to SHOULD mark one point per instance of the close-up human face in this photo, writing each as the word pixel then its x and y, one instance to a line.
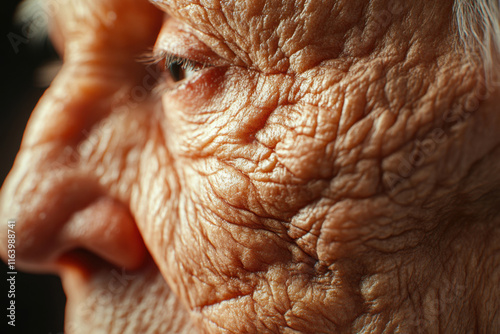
pixel 264 166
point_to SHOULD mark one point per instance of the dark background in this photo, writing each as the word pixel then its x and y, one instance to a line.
pixel 39 298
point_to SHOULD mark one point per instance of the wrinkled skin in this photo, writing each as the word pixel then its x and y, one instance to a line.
pixel 335 169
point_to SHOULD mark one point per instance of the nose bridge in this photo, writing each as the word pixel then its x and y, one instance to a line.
pixel 60 206
pixel 77 99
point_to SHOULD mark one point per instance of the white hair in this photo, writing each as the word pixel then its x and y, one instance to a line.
pixel 478 28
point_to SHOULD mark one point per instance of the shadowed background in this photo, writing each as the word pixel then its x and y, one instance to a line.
pixel 39 298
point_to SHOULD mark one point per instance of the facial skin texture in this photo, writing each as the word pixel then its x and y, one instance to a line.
pixel 333 170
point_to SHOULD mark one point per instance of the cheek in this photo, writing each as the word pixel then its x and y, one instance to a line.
pixel 190 109
pixel 240 138
pixel 220 104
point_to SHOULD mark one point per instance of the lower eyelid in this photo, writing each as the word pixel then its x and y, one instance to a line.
pixel 192 94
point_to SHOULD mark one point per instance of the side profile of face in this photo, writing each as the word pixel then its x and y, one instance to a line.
pixel 316 166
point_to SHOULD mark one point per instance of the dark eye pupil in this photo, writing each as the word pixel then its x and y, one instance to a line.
pixel 176 71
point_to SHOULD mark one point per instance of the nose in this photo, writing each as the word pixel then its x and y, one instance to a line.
pixel 64 190
pixel 54 194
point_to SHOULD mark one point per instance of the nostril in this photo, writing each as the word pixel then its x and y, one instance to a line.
pixel 60 211
pixel 103 227
pixel 81 260
pixel 107 229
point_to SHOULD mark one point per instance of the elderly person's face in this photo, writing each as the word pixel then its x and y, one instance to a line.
pixel 287 166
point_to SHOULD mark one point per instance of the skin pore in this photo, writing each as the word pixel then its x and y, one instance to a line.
pixel 330 166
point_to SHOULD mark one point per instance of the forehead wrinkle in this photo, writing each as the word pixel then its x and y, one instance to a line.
pixel 209 18
pixel 266 34
pixel 279 36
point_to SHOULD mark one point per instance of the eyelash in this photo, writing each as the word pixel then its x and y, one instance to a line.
pixel 186 64
pixel 154 58
pixel 170 70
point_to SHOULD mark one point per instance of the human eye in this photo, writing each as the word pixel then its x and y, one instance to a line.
pixel 174 69
pixel 180 68
pixel 177 67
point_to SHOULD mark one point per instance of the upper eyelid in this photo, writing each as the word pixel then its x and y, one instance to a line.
pixel 197 54
pixel 178 38
pixel 154 57
pixel 185 63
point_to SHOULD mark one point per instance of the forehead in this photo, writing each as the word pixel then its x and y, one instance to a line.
pixel 300 34
pixel 283 35
pixel 226 13
pixel 271 35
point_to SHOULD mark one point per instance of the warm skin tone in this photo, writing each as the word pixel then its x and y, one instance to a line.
pixel 335 170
